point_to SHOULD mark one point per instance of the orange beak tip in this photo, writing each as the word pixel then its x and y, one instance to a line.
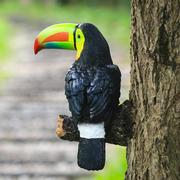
pixel 37 46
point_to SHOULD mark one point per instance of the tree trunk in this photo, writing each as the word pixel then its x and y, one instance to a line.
pixel 154 151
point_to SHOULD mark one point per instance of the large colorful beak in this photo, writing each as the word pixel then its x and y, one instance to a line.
pixel 58 36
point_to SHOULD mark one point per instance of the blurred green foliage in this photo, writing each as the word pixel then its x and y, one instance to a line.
pixel 4 39
pixel 96 2
pixel 4 48
pixel 113 21
pixel 113 3
pixel 115 169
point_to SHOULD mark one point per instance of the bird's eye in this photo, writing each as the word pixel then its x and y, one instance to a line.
pixel 78 36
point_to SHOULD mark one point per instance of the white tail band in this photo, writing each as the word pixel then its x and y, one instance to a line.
pixel 91 131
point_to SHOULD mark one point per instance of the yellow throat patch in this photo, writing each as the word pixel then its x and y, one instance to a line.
pixel 80 39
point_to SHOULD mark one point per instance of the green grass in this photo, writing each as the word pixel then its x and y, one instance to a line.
pixel 113 22
pixel 4 38
pixel 4 48
pixel 116 167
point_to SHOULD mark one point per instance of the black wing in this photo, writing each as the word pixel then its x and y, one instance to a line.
pixel 103 93
pixel 93 94
pixel 74 90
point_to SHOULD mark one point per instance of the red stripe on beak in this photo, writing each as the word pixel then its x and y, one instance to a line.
pixel 37 46
pixel 62 36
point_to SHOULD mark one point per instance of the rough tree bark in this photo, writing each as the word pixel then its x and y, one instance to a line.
pixel 154 151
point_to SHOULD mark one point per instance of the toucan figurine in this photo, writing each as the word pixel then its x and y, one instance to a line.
pixel 92 85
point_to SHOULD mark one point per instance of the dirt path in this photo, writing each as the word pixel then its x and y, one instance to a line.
pixel 29 105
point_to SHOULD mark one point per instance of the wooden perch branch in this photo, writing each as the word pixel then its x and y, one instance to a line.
pixel 119 131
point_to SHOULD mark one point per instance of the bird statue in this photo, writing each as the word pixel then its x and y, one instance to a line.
pixel 92 85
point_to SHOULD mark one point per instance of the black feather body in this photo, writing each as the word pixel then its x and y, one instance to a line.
pixel 92 87
pixel 93 92
pixel 93 96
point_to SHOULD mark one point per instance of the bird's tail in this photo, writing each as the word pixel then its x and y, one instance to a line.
pixel 91 152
